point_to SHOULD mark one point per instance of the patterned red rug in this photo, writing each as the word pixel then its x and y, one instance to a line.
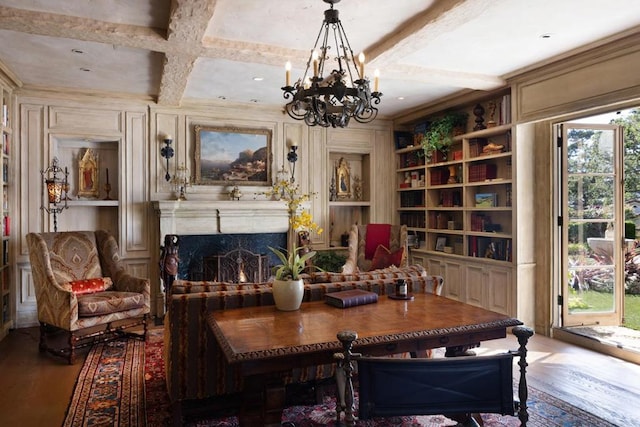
pixel 122 383
pixel 110 387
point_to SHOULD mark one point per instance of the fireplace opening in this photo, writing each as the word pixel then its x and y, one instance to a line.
pixel 232 258
pixel 237 266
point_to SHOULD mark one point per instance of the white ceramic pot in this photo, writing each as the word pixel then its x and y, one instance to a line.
pixel 288 294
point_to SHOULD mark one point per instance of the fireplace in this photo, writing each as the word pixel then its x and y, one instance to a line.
pixel 200 256
pixel 208 228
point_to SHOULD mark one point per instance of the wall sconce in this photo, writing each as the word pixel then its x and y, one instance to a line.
pixel 182 180
pixel 167 153
pixel 292 158
pixel 55 184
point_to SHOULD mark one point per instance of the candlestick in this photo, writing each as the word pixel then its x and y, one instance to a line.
pixel 361 59
pixel 107 175
pixel 287 74
pixel 314 57
pixel 376 80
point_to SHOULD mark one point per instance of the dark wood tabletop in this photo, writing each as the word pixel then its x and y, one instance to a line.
pixel 253 334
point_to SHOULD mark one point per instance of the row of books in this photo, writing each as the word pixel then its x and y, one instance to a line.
pixel 450 198
pixel 482 172
pixel 412 199
pixel 5 143
pixel 412 219
pixel 5 253
pixel 5 115
pixel 6 225
pixel 5 170
pixel 5 308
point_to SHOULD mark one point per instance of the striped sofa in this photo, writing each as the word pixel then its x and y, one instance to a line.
pixel 196 368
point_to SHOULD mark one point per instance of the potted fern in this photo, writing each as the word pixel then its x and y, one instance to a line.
pixel 440 133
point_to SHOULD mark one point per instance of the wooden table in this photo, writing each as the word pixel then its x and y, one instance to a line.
pixel 265 341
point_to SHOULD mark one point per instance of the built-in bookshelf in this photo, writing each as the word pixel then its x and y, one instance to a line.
pixel 6 286
pixel 459 203
pixel 469 197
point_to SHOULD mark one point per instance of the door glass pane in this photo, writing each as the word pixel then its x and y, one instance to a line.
pixel 591 197
pixel 591 212
pixel 590 151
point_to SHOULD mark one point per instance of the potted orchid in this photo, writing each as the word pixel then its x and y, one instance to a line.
pixel 288 287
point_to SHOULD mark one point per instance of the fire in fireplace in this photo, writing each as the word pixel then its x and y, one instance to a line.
pixel 229 257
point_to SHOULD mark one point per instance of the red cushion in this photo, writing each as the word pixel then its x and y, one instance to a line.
pixel 89 286
pixel 384 258
pixel 377 234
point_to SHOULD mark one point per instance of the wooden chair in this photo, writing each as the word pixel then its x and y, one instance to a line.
pixel 82 288
pixel 457 386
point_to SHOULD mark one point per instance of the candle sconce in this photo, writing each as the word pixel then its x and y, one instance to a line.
pixel 56 183
pixel 292 158
pixel 167 153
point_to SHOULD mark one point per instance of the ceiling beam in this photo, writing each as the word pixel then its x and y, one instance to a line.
pixel 188 24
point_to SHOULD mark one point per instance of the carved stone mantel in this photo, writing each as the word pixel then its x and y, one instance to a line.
pixel 220 217
pixel 196 217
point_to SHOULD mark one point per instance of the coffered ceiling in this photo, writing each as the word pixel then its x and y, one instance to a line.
pixel 174 52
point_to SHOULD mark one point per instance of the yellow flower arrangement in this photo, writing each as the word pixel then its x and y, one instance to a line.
pixel 304 222
pixel 289 192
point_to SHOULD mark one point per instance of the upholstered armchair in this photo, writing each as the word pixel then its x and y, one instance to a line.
pixel 365 253
pixel 82 288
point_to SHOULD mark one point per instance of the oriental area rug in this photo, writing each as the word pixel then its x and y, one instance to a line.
pixel 122 383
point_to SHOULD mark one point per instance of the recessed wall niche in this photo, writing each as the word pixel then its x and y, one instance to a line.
pixel 89 210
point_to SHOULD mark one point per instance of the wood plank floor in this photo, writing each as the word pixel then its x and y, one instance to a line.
pixel 35 388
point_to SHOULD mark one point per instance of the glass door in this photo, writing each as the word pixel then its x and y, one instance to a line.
pixel 592 224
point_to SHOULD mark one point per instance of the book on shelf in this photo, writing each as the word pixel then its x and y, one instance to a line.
pixel 6 226
pixel 482 172
pixel 350 298
pixel 5 143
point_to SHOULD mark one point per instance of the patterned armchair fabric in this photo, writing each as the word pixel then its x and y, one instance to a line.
pixel 357 260
pixel 80 282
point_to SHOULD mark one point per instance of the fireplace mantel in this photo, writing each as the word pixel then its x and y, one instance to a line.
pixel 189 217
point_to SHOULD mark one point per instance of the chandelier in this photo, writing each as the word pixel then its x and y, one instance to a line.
pixel 332 100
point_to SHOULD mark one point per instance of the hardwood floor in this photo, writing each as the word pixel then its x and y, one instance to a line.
pixel 36 388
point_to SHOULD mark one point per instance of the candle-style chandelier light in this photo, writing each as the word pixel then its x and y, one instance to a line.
pixel 332 100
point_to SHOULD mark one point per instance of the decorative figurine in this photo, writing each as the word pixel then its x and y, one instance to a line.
pixel 478 111
pixel 332 189
pixel 357 187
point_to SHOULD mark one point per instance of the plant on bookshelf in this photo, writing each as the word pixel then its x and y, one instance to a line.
pixel 440 132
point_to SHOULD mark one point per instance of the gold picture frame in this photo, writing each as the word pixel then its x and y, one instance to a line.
pixel 225 155
pixel 343 179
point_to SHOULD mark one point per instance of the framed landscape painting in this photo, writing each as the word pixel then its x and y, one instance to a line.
pixel 226 155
